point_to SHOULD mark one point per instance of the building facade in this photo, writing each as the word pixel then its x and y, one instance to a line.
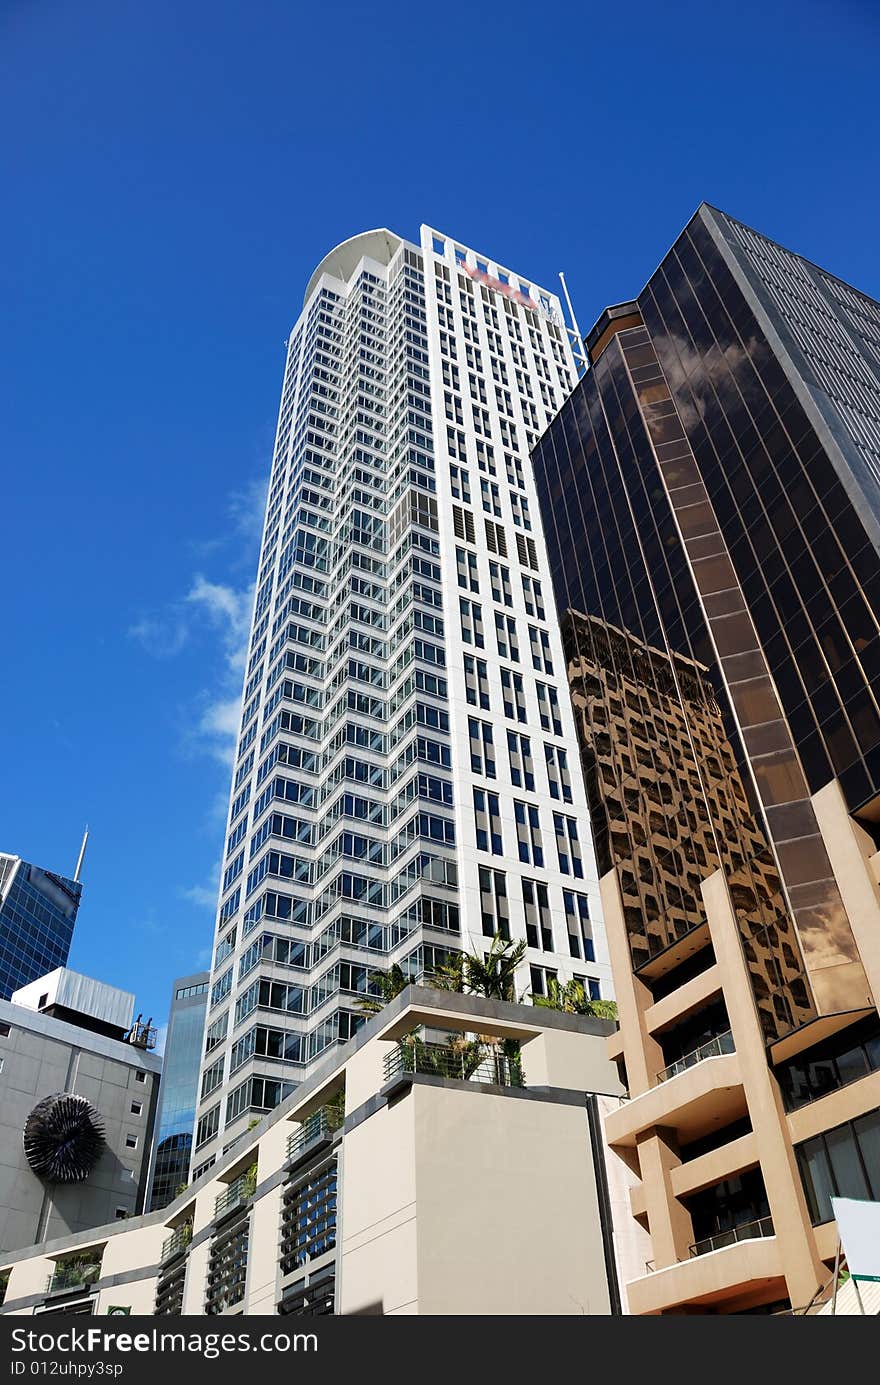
pixel 78 1090
pixel 37 913
pixel 401 1177
pixel 711 498
pixel 406 779
pixel 176 1116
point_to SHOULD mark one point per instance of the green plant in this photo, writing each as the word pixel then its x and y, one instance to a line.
pixel 572 999
pixel 334 1110
pixel 492 976
pixel 389 984
pixel 249 1181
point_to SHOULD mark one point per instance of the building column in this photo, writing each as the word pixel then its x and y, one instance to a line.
pixel 669 1223
pixel 803 1270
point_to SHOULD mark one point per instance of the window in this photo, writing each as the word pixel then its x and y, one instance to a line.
pixel 500 579
pixel 488 822
pixel 482 747
pixel 843 1162
pixel 4 1031
pixel 539 932
pixel 471 614
pixel 131 1142
pixel 539 976
pixel 137 1107
pixel 212 1078
pixel 558 777
pixel 528 833
pixel 849 1054
pixel 506 637
pixel 140 1077
pixel 208 1126
pixel 493 903
pixel 519 753
pixel 461 484
pixel 548 709
pixel 514 470
pixel 490 497
pixel 520 507
pixel 577 922
pixel 476 682
pixel 539 642
pixel 513 695
pixel 568 847
pixel 466 566
pixel 533 597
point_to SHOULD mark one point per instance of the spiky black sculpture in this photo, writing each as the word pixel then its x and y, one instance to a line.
pixel 63 1138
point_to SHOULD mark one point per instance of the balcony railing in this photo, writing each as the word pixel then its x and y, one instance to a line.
pixel 238 1191
pixel 73 1275
pixel 749 1231
pixel 312 1129
pixel 178 1241
pixel 470 1064
pixel 722 1043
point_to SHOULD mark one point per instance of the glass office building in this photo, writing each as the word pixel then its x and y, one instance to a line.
pixel 38 910
pixel 175 1118
pixel 711 500
pixel 406 780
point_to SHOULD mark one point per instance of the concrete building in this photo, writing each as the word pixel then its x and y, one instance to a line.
pixel 176 1116
pixel 711 500
pixel 438 1175
pixel 406 779
pixel 78 1090
pixel 37 913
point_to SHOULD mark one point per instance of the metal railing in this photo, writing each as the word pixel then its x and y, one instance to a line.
pixel 178 1240
pixel 238 1191
pixel 313 1128
pixel 73 1275
pixel 722 1043
pixel 749 1231
pixel 466 1065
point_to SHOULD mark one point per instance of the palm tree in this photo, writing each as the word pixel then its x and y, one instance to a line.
pixel 572 999
pixel 492 976
pixel 389 983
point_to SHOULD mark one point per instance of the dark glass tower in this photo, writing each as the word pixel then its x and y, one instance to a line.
pixel 37 913
pixel 175 1118
pixel 711 498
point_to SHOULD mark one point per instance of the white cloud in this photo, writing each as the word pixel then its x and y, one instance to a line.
pixel 163 637
pixel 247 509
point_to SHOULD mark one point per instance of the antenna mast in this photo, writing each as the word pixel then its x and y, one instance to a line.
pixel 578 344
pixel 82 852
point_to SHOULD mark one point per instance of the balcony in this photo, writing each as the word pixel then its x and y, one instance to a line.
pixel 240 1191
pixel 315 1131
pixel 713 1048
pixel 470 1062
pixel 749 1231
pixel 73 1274
pixel 177 1242
pixel 721 1273
pixel 695 1095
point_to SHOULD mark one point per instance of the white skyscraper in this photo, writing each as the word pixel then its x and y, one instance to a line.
pixel 407 779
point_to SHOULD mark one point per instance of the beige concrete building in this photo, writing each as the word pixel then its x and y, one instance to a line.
pixel 443 1174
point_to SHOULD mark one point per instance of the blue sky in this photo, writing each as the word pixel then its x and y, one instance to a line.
pixel 171 174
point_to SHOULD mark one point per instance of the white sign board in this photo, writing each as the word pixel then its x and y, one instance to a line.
pixel 859 1226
